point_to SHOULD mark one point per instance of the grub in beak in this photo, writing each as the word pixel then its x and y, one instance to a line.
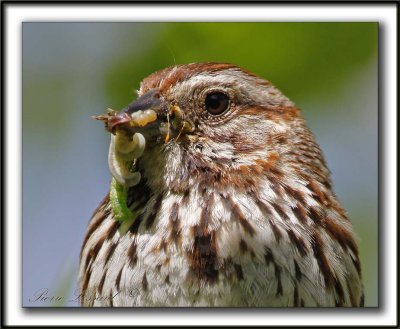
pixel 139 113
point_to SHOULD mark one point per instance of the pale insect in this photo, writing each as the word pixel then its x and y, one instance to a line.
pixel 123 152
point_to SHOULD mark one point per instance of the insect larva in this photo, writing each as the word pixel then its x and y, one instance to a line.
pixel 118 195
pixel 123 152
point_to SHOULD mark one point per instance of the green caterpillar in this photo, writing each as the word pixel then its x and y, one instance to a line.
pixel 118 196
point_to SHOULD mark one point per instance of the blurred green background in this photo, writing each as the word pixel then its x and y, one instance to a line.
pixel 72 71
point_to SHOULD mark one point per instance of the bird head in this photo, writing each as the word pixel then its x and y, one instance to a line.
pixel 208 121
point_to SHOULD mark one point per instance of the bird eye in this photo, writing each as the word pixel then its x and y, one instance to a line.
pixel 217 103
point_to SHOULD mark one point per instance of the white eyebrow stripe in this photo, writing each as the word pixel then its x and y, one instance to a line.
pixel 260 92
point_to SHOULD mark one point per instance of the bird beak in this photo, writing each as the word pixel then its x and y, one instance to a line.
pixel 143 114
pixel 143 111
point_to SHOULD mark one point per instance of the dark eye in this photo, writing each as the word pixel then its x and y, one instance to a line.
pixel 217 103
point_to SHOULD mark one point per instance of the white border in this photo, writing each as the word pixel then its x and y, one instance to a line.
pixel 385 14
